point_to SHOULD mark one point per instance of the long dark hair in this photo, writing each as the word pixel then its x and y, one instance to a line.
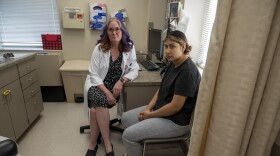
pixel 179 37
pixel 126 43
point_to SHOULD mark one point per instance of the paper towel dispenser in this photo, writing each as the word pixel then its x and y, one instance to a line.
pixel 73 17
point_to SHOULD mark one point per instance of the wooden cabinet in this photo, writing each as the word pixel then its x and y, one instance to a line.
pixel 141 91
pixel 20 98
pixel 6 128
pixel 136 96
pixel 30 88
pixel 34 106
pixel 49 76
pixel 74 73
pixel 26 67
pixel 136 93
pixel 49 64
pixel 13 117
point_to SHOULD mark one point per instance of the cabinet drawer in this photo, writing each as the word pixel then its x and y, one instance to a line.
pixel 34 106
pixel 31 91
pixel 29 79
pixel 8 75
pixel 26 67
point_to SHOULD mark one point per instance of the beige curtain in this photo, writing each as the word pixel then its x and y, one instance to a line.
pixel 238 108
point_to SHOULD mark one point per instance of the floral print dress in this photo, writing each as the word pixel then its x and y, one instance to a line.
pixel 96 97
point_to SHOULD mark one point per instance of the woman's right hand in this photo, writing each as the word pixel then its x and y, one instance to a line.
pixel 144 115
pixel 110 98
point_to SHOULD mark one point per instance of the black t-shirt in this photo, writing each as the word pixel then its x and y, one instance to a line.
pixel 183 80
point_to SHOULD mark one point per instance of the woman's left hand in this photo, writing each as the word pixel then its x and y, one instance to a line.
pixel 117 89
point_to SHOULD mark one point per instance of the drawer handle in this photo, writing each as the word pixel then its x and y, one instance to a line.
pixel 6 92
pixel 30 79
pixel 32 91
pixel 7 96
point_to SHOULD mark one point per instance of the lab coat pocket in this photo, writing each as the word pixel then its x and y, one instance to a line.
pixel 127 68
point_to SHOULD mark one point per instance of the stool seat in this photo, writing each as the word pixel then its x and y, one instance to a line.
pixel 8 147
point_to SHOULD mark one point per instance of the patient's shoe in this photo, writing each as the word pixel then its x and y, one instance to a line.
pixel 111 153
pixel 92 152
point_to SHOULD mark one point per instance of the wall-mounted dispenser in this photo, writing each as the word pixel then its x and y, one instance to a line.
pixel 73 17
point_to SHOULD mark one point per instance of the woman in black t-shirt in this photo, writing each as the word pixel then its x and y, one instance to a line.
pixel 169 112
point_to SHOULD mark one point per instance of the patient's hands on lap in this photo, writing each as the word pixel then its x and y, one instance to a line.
pixel 144 115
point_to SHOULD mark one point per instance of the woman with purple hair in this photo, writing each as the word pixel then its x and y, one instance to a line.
pixel 113 63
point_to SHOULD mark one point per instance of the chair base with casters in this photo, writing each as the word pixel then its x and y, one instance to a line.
pixel 112 127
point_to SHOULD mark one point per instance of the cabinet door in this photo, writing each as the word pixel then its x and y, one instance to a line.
pixel 49 64
pixel 6 126
pixel 17 108
pixel 73 84
pixel 8 75
pixel 138 96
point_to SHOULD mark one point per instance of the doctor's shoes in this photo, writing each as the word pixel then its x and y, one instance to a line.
pixel 92 152
pixel 111 153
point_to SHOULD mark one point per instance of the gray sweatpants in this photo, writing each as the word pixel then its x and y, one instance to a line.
pixel 136 131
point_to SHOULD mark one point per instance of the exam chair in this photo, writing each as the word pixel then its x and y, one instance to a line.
pixel 165 143
pixel 112 121
pixel 8 147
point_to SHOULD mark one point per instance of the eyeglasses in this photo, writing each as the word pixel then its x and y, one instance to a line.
pixel 117 29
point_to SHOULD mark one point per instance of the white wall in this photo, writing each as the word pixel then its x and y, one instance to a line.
pixel 194 10
pixel 78 44
pixel 156 15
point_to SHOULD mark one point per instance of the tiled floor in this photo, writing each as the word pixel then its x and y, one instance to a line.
pixel 56 133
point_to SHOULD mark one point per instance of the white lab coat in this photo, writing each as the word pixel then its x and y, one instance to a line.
pixel 99 66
